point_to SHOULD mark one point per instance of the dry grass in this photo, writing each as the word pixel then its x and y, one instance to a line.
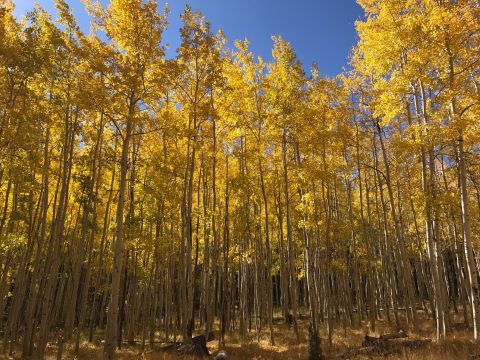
pixel 458 346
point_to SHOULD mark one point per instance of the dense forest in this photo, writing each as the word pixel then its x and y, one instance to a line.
pixel 145 199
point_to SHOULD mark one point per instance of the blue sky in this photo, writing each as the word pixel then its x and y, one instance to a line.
pixel 320 31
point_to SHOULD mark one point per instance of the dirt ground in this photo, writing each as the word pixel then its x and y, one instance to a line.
pixel 458 346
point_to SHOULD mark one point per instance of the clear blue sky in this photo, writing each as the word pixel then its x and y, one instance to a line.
pixel 320 31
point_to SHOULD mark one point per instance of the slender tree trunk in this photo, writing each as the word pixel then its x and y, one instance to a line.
pixel 113 308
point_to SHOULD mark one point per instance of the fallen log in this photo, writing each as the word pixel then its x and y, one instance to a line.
pixel 385 345
pixel 371 340
pixel 459 326
pixel 197 347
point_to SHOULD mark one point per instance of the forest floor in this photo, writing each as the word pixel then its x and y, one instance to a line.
pixel 347 344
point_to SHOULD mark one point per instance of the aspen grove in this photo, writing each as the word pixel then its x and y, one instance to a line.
pixel 146 198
